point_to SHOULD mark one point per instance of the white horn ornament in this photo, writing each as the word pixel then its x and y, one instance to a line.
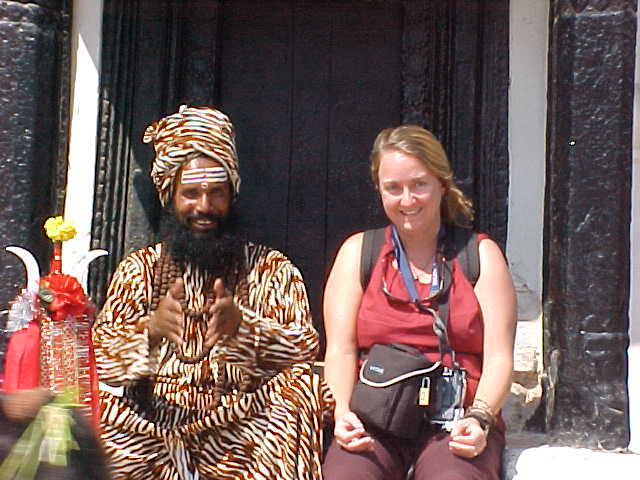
pixel 30 264
pixel 81 268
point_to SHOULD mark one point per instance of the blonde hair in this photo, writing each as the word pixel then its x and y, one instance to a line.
pixel 418 142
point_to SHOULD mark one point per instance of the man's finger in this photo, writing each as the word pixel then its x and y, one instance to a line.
pixel 175 338
pixel 172 331
pixel 219 290
pixel 177 289
pixel 211 340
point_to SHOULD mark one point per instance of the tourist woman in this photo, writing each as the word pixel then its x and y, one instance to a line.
pixel 412 175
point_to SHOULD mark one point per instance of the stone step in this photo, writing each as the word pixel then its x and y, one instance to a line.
pixel 529 457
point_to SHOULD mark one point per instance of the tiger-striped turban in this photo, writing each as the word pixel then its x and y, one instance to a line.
pixel 193 130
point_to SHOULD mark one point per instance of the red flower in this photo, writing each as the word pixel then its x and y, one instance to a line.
pixel 65 296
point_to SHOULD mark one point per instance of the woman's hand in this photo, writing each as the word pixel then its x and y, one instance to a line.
pixel 468 439
pixel 350 434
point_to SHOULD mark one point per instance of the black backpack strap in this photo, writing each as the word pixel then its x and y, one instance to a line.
pixel 372 241
pixel 460 243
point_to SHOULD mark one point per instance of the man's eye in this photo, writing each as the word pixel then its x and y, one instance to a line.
pixel 189 193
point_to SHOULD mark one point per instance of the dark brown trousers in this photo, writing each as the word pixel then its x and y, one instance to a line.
pixel 430 457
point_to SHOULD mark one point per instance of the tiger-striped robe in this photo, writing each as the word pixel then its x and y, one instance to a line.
pixel 268 429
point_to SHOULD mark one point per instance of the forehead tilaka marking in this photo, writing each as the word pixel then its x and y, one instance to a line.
pixel 204 175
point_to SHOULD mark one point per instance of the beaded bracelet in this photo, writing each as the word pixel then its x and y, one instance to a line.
pixel 482 412
pixel 482 419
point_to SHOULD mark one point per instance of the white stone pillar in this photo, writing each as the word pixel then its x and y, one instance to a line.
pixel 528 47
pixel 85 81
pixel 634 301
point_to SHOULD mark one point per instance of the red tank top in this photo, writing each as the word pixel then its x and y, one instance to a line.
pixel 383 320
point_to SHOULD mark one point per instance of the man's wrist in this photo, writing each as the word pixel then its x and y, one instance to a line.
pixel 146 324
pixel 142 324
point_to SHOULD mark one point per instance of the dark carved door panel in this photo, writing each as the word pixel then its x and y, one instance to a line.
pixel 308 85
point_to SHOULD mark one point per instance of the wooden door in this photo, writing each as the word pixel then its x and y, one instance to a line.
pixel 308 85
pixel 308 88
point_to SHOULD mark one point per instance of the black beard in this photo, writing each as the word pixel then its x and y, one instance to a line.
pixel 213 250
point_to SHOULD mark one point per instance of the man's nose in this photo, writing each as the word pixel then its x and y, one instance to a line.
pixel 204 204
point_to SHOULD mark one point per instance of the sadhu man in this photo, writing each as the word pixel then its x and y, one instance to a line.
pixel 209 334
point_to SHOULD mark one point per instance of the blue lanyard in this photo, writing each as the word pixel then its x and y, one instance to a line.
pixel 405 270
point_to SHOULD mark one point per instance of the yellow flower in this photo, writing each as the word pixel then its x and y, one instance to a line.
pixel 59 230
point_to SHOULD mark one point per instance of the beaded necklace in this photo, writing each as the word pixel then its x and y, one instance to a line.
pixel 166 271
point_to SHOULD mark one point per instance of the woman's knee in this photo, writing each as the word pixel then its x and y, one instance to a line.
pixel 379 464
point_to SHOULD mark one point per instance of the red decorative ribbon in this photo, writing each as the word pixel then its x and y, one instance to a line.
pixel 68 296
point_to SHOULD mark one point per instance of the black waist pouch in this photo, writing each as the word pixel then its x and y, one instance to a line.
pixel 386 396
pixel 400 392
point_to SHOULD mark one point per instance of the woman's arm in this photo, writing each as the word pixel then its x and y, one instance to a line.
pixel 497 299
pixel 342 296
